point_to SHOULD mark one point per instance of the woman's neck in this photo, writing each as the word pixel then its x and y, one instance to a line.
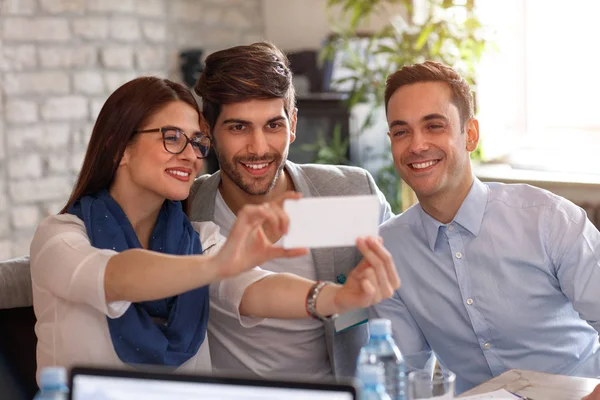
pixel 141 210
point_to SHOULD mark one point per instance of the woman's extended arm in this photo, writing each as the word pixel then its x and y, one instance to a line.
pixel 142 275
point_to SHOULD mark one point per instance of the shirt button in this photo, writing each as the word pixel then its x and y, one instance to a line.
pixel 459 255
pixel 469 301
pixel 450 227
pixel 487 345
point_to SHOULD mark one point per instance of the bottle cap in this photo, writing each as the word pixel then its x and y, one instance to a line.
pixel 380 327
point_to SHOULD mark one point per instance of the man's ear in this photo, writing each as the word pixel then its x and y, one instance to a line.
pixel 293 122
pixel 472 134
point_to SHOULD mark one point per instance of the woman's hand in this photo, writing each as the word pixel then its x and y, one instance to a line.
pixel 274 232
pixel 248 245
pixel 374 278
pixel 595 395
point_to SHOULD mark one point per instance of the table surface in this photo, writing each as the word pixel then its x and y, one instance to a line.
pixel 537 385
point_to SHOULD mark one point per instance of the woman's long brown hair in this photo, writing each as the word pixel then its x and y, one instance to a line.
pixel 126 110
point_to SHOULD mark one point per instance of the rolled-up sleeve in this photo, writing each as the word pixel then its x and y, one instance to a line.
pixel 227 294
pixel 66 265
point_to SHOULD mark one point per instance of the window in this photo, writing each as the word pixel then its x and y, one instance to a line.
pixel 539 91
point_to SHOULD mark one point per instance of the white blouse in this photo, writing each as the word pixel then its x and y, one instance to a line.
pixel 67 274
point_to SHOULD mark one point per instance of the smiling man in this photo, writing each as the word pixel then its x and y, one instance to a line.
pixel 494 276
pixel 248 103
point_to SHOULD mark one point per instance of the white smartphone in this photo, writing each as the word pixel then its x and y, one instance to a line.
pixel 335 221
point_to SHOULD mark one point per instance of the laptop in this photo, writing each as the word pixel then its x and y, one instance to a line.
pixel 108 384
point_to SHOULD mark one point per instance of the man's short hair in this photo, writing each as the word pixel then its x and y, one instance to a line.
pixel 259 71
pixel 431 71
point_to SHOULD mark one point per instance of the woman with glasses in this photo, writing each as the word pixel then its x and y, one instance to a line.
pixel 120 275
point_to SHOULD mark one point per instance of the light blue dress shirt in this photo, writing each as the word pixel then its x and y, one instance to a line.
pixel 512 282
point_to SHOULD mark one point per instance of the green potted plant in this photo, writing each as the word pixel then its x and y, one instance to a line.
pixel 440 30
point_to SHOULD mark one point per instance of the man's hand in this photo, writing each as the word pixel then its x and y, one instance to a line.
pixel 276 229
pixel 248 245
pixel 374 278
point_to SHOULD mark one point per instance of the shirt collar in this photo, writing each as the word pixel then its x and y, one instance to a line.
pixel 469 215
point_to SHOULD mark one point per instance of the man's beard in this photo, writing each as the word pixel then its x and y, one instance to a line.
pixel 255 187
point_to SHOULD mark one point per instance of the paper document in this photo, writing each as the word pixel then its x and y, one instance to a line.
pixel 501 394
pixel 330 221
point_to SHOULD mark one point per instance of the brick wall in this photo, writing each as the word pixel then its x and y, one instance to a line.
pixel 59 61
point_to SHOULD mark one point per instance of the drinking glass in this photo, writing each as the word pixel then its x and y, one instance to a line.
pixel 422 386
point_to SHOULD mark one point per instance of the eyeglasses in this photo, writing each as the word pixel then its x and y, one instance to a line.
pixel 175 141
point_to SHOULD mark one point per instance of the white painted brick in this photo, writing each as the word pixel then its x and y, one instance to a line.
pixel 24 217
pixel 4 225
pixel 249 38
pixel 253 5
pixel 65 108
pixel 3 197
pixel 25 166
pixel 57 164
pixel 117 57
pixel 151 57
pixel 63 6
pixel 91 28
pixel 218 38
pixel 187 10
pixel 52 208
pixel 233 3
pixel 160 74
pixel 151 8
pixel 125 29
pixel 88 82
pixel 211 16
pixel 20 245
pixel 42 137
pixel 120 6
pixel 235 18
pixel 27 191
pixel 43 29
pixel 17 7
pixel 95 107
pixel 68 57
pixel 5 249
pixel 154 31
pixel 21 111
pixel 17 58
pixel 81 136
pixel 190 35
pixel 48 82
pixel 77 161
pixel 115 79
pixel 55 135
pixel 2 151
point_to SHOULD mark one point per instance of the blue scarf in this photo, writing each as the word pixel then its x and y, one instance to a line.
pixel 137 339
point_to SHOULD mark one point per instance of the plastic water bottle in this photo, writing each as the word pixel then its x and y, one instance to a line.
pixel 372 378
pixel 382 349
pixel 53 384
